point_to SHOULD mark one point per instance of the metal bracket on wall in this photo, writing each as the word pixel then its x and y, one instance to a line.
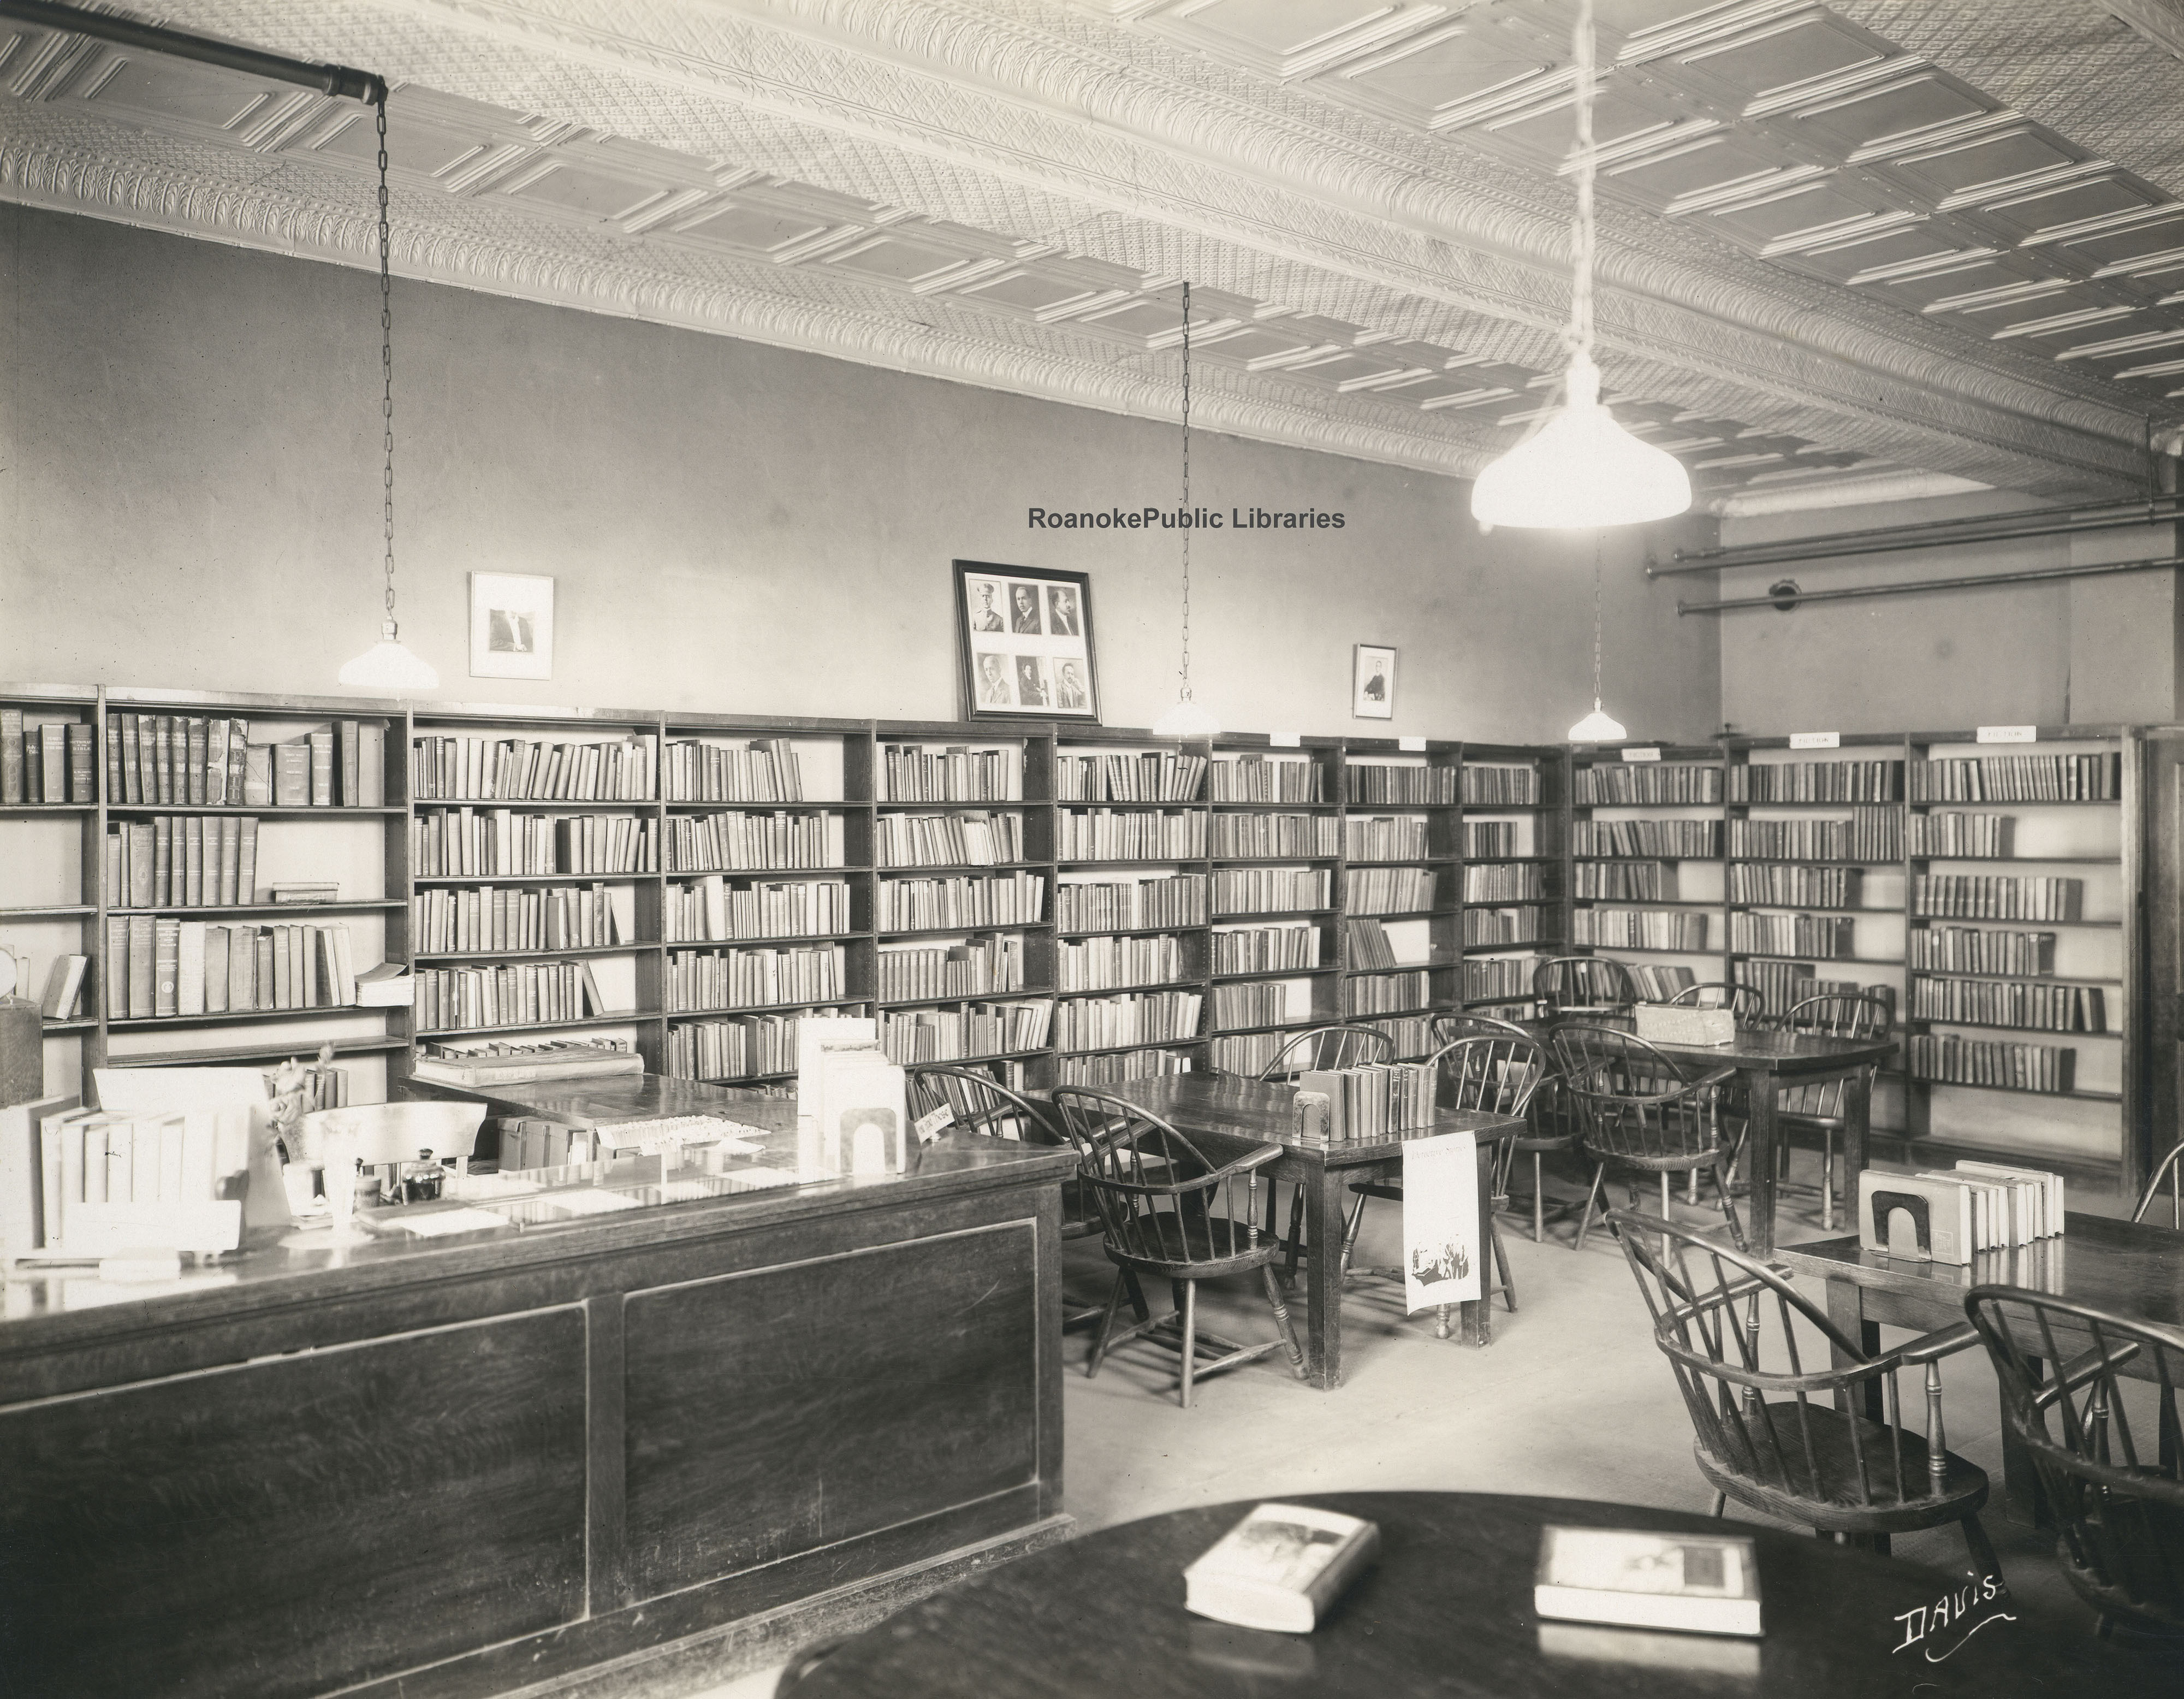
pixel 1775 597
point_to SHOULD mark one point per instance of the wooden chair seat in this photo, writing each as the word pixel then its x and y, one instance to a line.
pixel 2150 1530
pixel 1206 1247
pixel 1825 1492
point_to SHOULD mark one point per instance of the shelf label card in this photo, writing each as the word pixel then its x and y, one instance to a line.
pixel 1284 739
pixel 1654 754
pixel 2009 733
pixel 1412 745
pixel 933 1123
pixel 1816 740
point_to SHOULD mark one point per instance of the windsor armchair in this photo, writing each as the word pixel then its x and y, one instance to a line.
pixel 1639 1112
pixel 1344 1045
pixel 2170 1170
pixel 1583 985
pixel 1823 1104
pixel 1742 1001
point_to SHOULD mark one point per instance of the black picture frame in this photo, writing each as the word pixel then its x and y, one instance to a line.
pixel 1024 643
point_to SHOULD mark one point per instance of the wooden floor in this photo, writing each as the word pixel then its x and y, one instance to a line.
pixel 1571 1400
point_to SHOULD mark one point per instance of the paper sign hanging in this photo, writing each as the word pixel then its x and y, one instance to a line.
pixel 1654 754
pixel 1412 745
pixel 1441 1247
pixel 1284 739
pixel 1816 740
pixel 2009 733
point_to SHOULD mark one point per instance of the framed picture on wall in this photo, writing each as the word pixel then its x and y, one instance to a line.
pixel 511 626
pixel 1025 637
pixel 1372 682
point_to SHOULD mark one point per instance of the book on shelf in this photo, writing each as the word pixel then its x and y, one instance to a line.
pixel 507 1064
pixel 292 775
pixel 158 966
pixel 1281 1569
pixel 305 890
pixel 384 985
pixel 1699 1583
pixel 64 986
pixel 11 757
pixel 181 861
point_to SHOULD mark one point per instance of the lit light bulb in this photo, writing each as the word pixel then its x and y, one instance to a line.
pixel 388 665
pixel 1581 470
pixel 1597 727
pixel 1186 719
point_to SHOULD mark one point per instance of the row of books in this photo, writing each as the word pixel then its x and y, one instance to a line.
pixel 1961 834
pixel 1370 1104
pixel 1967 950
pixel 1148 1017
pixel 182 861
pixel 522 769
pixel 1950 1216
pixel 1271 890
pixel 1385 838
pixel 1102 835
pixel 1817 781
pixel 1258 778
pixel 1154 776
pixel 1492 926
pixel 911 773
pixel 47 763
pixel 1387 890
pixel 1618 880
pixel 1499 978
pixel 1504 883
pixel 2019 778
pixel 1113 1068
pixel 1828 937
pixel 1249 1054
pixel 709 909
pixel 1386 993
pixel 1105 964
pixel 747 1045
pixel 1871 834
pixel 1492 786
pixel 1262 1003
pixel 1782 985
pixel 977 968
pixel 967 900
pixel 1173 900
pixel 1674 839
pixel 1811 887
pixel 491 917
pixel 517 994
pixel 1951 1060
pixel 1277 836
pixel 1622 785
pixel 2048 1007
pixel 735 843
pixel 1379 782
pixel 529 1145
pixel 1641 929
pixel 156 968
pixel 978 1029
pixel 1486 840
pixel 467 843
pixel 1368 942
pixel 1266 949
pixel 748 979
pixel 211 761
pixel 1996 896
pixel 88 1157
pixel 950 839
pixel 1660 982
pixel 1412 1035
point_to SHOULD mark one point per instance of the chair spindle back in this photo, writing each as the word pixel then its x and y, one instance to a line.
pixel 1345 1046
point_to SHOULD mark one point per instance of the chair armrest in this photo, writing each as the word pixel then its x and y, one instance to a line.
pixel 1942 1342
pixel 1253 1158
pixel 2080 1369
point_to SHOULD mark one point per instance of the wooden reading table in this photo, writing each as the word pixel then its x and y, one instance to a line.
pixel 1226 1115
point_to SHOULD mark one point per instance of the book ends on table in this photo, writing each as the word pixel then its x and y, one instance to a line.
pixel 1951 1215
pixel 1281 1568
pixel 1699 1584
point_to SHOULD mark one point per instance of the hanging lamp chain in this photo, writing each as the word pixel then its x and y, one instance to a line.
pixel 1596 620
pixel 385 372
pixel 1186 514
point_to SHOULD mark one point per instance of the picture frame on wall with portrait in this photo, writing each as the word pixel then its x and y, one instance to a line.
pixel 1024 639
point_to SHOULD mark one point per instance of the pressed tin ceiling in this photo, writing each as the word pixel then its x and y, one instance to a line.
pixel 1880 245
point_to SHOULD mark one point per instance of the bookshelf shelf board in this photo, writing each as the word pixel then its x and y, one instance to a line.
pixel 1409 861
pixel 1403 914
pixel 1810 861
pixel 1636 860
pixel 537 955
pixel 267 811
pixel 1286 861
pixel 2020 1091
pixel 1134 1044
pixel 1635 950
pixel 150 1023
pixel 355 906
pixel 1225 916
pixel 1272 1026
pixel 253 1053
pixel 744 943
pixel 473 716
pixel 1492 808
pixel 2036 1032
pixel 1281 974
pixel 74 1024
pixel 886 806
pixel 630 1019
pixel 1123 931
pixel 1816 961
pixel 1392 1014
pixel 2026 860
pixel 773 874
pixel 1118 990
pixel 824 805
pixel 1799 908
pixel 1521 860
pixel 1923 1150
pixel 1625 903
pixel 1499 1002
pixel 2010 925
pixel 1132 805
pixel 886 935
pixel 1228 808
pixel 32 810
pixel 930 870
pixel 2020 979
pixel 1177 861
pixel 1029 994
pixel 518 805
pixel 1986 802
pixel 744 1079
pixel 60 911
pixel 460 879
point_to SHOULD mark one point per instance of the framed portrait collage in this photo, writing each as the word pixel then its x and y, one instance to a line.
pixel 1025 636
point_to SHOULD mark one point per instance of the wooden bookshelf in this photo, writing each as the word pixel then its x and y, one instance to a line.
pixel 1511 827
pixel 1646 868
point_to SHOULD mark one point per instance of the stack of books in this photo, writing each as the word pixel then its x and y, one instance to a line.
pixel 1951 1215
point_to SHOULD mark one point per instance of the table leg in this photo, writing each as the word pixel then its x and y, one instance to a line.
pixel 2023 1499
pixel 1847 1310
pixel 1856 1133
pixel 1322 1227
pixel 1762 1143
pixel 1478 1319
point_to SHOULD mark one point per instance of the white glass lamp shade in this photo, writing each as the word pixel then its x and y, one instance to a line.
pixel 1597 727
pixel 1581 471
pixel 1186 719
pixel 388 665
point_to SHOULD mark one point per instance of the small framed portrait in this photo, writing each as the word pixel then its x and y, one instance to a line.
pixel 1024 634
pixel 1372 682
pixel 511 626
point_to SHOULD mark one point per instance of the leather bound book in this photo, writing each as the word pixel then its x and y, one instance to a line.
pixel 166 959
pixel 292 775
pixel 322 769
pixel 193 758
pixel 11 755
pixel 143 995
pixel 53 747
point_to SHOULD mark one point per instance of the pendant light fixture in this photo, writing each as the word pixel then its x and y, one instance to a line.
pixel 1596 727
pixel 1580 468
pixel 388 664
pixel 1186 718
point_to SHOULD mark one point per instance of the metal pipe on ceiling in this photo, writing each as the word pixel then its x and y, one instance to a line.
pixel 1969 581
pixel 2045 521
pixel 343 82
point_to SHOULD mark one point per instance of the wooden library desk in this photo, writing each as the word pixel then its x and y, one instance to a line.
pixel 460 1467
pixel 2131 1269
pixel 1228 1114
pixel 1446 1608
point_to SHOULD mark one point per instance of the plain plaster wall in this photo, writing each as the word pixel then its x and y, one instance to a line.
pixel 191 499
